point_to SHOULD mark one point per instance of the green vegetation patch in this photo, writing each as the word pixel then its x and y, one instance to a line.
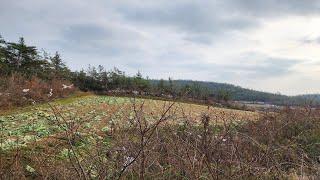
pixel 22 127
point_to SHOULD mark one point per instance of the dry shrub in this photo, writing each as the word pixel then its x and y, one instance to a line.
pixel 277 146
pixel 38 90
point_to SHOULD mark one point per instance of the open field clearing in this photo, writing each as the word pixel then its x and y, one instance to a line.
pixel 104 137
pixel 96 113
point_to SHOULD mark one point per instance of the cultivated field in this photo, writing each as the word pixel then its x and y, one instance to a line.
pixel 97 113
pixel 104 137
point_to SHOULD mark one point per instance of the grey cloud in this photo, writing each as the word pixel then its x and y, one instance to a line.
pixel 257 65
pixel 81 33
pixel 264 67
pixel 205 39
pixel 94 38
pixel 310 40
pixel 274 8
pixel 217 18
pixel 271 67
pixel 250 66
pixel 193 17
pixel 199 12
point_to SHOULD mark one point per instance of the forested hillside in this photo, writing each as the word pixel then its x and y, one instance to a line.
pixel 238 93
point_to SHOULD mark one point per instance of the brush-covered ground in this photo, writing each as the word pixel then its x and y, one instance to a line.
pixel 104 137
pixel 19 127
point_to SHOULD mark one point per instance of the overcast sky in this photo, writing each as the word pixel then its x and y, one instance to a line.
pixel 269 45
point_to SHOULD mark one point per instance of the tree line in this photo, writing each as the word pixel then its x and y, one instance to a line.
pixel 23 59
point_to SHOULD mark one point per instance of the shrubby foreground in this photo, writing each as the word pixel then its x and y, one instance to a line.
pixel 120 138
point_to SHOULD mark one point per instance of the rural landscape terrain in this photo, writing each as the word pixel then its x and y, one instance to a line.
pixel 184 89
pixel 98 124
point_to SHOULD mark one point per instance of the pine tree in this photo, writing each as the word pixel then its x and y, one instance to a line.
pixel 22 58
pixel 60 70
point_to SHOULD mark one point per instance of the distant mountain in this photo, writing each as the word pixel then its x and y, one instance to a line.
pixel 243 94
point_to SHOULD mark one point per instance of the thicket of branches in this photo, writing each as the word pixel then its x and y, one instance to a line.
pixel 144 144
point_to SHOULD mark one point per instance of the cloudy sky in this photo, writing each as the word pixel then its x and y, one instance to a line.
pixel 269 45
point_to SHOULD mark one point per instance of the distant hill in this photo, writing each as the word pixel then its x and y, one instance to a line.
pixel 310 97
pixel 243 94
